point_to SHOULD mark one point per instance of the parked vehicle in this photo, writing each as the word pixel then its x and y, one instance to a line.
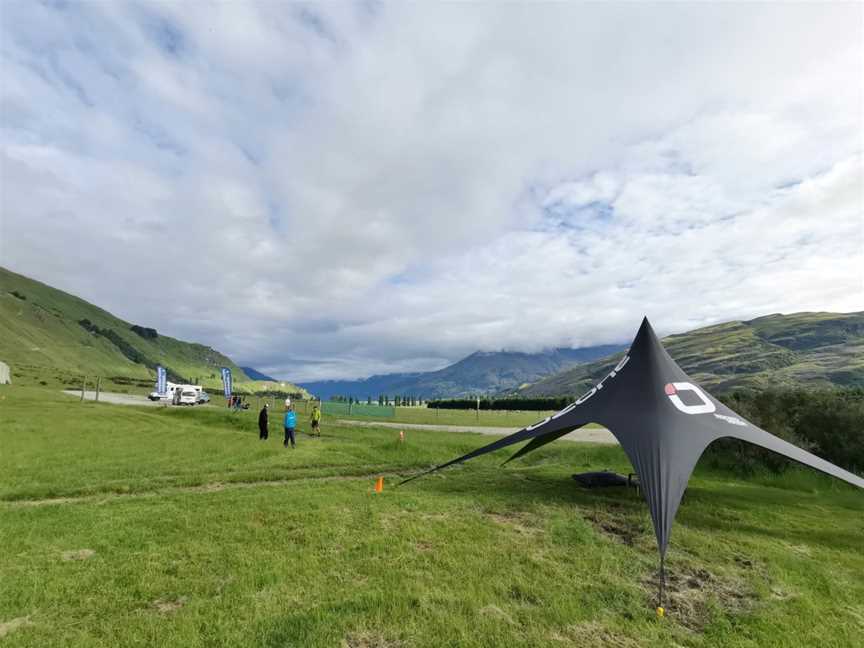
pixel 175 394
pixel 188 397
pixel 167 396
pixel 203 397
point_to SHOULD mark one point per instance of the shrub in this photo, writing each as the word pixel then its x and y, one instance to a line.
pixel 146 333
pixel 829 423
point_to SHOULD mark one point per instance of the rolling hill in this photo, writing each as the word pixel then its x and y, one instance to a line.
pixel 479 373
pixel 801 349
pixel 48 333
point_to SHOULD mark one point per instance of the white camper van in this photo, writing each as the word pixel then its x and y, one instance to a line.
pixel 177 394
pixel 167 396
pixel 188 395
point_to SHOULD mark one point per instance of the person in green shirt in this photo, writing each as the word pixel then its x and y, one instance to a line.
pixel 316 421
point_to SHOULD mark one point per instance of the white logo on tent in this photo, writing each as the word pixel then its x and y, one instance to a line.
pixel 672 389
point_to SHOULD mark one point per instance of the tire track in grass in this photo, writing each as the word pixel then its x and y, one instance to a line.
pixel 209 487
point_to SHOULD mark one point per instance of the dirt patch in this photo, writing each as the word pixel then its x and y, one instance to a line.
pixel 593 634
pixel 519 521
pixel 422 545
pixel 8 627
pixel 617 527
pixel 692 593
pixel 169 607
pixel 369 640
pixel 78 554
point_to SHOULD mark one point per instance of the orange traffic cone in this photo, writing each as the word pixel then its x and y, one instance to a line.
pixel 379 484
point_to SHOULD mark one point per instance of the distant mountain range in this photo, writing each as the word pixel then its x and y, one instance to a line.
pixel 254 374
pixel 812 350
pixel 45 332
pixel 480 373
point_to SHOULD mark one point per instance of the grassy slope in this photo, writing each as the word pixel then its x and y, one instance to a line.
pixel 42 340
pixel 478 556
pixel 803 349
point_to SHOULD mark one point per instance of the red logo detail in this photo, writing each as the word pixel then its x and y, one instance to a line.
pixel 670 389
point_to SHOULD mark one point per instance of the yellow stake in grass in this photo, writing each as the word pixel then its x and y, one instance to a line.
pixel 660 612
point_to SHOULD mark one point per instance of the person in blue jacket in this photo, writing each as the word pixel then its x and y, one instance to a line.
pixel 290 425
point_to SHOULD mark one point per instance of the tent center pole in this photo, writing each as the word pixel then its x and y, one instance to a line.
pixel 662 581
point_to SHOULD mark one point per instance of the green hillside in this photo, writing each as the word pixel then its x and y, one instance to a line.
pixel 51 335
pixel 813 350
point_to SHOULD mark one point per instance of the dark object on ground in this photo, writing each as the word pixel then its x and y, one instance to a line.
pixel 663 421
pixel 600 479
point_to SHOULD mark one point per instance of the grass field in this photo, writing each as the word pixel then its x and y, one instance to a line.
pixel 141 527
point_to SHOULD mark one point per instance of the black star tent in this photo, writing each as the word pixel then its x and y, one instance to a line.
pixel 663 421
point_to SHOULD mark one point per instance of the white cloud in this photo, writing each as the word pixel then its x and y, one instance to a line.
pixel 359 188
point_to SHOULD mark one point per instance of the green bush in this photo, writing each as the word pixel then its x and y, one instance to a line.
pixel 829 423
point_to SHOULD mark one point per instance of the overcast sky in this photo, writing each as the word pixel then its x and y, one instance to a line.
pixel 326 191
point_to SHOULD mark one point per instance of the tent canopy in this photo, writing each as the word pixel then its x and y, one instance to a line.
pixel 663 421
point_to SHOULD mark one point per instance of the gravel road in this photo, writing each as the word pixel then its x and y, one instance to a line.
pixel 116 399
pixel 585 435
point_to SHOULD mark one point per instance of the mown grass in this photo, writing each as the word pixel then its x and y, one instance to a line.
pixel 203 536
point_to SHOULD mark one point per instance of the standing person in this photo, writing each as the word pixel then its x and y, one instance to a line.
pixel 290 425
pixel 316 420
pixel 263 422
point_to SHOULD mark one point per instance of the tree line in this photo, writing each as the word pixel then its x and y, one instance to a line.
pixel 512 404
pixel 383 400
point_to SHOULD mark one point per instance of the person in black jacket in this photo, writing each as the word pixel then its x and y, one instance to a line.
pixel 263 430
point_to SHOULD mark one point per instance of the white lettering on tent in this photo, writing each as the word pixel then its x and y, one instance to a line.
pixel 599 386
pixel 536 425
pixel 672 389
pixel 731 420
pixel 584 398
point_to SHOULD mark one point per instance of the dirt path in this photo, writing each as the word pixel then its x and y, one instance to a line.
pixel 118 399
pixel 585 435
